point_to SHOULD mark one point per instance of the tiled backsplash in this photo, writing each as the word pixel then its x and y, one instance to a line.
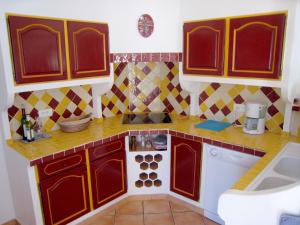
pixel 145 87
pixel 217 102
pixel 65 102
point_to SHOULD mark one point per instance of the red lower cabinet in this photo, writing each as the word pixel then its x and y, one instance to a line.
pixel 185 167
pixel 108 176
pixel 65 196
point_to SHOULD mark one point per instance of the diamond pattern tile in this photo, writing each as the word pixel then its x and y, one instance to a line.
pixel 65 102
pixel 217 101
pixel 145 87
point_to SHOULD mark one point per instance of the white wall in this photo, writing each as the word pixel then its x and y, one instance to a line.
pixel 6 204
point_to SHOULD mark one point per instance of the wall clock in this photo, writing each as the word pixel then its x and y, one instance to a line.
pixel 145 25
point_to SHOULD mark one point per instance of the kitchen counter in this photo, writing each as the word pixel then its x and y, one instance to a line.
pixel 104 130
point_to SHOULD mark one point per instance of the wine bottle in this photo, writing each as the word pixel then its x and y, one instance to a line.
pixel 23 123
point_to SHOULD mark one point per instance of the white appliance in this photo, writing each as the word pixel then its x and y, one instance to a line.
pixel 221 169
pixel 255 118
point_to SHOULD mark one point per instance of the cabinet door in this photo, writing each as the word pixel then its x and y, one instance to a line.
pixel 88 47
pixel 204 47
pixel 256 46
pixel 109 178
pixel 185 167
pixel 38 49
pixel 65 196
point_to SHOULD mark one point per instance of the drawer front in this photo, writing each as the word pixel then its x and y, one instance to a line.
pixel 107 148
pixel 60 165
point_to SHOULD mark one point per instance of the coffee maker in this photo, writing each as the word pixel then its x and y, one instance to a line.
pixel 255 118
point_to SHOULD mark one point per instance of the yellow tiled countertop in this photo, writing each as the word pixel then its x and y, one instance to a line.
pixel 269 143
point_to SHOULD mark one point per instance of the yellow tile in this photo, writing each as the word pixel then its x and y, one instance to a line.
pixel 253 89
pixel 203 107
pixel 82 105
pixel 46 98
pixel 278 118
pixel 220 104
pixel 232 92
pixel 209 90
pixel 239 88
pixel 33 100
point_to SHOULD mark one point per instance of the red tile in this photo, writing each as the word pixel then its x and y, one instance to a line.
pixel 111 57
pixel 79 148
pixel 199 139
pixel 226 145
pixel 97 143
pixel 165 57
pixel 25 95
pixel 113 138
pixel 225 110
pixel 249 151
pixel 208 141
pixel 35 162
pixel 217 143
pixel 105 140
pixel 180 57
pixel 146 57
pixel 69 151
pixel 153 131
pixel 174 57
pixel 238 99
pixel 273 96
pixel 136 57
pixel 134 132
pixel 87 146
pixel 215 86
pixel 214 109
pixel 155 57
pixel 187 136
pixel 47 158
pixel 163 132
pixel 173 133
pixel 59 155
pixel 237 148
pixel 179 134
pixel 259 153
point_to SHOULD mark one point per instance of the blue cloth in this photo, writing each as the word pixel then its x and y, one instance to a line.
pixel 213 125
pixel 286 219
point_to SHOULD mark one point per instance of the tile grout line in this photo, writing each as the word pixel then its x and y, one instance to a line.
pixel 172 213
pixel 143 212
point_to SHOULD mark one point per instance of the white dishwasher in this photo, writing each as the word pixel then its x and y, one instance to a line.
pixel 221 169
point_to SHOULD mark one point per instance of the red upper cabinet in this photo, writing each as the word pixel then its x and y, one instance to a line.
pixel 88 47
pixel 185 167
pixel 38 49
pixel 204 47
pixel 256 46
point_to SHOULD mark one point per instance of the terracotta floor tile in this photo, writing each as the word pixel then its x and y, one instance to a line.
pixel 209 222
pixel 108 212
pixel 175 207
pixel 159 219
pixel 99 220
pixel 129 220
pixel 156 206
pixel 188 218
pixel 130 208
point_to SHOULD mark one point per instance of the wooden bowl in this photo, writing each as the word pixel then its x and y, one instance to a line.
pixel 75 124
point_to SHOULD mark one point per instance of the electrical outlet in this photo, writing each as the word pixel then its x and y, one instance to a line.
pixel 45 113
pixel 239 108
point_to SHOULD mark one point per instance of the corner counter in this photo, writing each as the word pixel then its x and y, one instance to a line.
pixel 101 131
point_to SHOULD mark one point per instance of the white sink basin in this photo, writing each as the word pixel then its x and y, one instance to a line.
pixel 289 167
pixel 282 171
pixel 272 182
